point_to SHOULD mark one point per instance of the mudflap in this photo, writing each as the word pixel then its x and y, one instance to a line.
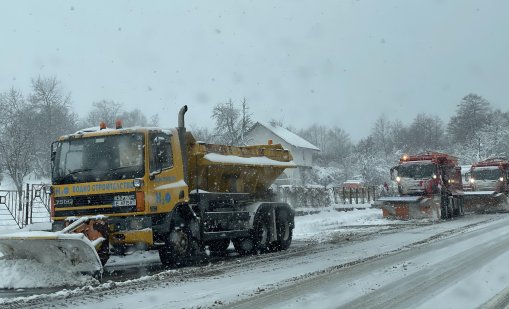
pixel 485 202
pixel 409 208
pixel 72 252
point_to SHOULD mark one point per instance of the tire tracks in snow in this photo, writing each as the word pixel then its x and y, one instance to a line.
pixel 220 267
pixel 347 272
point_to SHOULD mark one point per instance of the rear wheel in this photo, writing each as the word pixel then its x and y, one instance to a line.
pixel 261 235
pixel 284 231
pixel 244 246
pixel 258 241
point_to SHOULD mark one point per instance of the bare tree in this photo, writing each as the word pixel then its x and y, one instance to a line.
pixel 154 120
pixel 472 116
pixel 382 137
pixel 16 138
pixel 426 133
pixel 133 118
pixel 51 108
pixel 246 121
pixel 107 111
pixel 231 122
pixel 203 134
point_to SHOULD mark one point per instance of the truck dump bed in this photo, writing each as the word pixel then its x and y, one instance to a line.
pixel 221 168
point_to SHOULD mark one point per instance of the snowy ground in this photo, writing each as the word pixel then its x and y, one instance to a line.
pixel 318 227
pixel 354 258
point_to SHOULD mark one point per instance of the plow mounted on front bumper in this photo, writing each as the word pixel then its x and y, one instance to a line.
pixel 421 207
pixel 69 248
pixel 486 201
pixel 409 207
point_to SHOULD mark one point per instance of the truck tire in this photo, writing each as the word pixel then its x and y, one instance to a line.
pixel 177 249
pixel 259 240
pixel 284 231
pixel 461 206
pixel 261 235
pixel 244 246
pixel 446 207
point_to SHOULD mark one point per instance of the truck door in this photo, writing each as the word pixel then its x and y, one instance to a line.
pixel 166 186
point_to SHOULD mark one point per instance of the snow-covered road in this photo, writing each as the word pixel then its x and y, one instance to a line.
pixel 462 270
pixel 360 261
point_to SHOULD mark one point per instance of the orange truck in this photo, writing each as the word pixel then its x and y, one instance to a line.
pixel 429 185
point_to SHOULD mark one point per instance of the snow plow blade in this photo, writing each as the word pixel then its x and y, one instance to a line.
pixel 409 207
pixel 485 202
pixel 72 252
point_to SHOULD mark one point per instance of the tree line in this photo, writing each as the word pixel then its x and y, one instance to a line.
pixel 30 121
pixel 475 132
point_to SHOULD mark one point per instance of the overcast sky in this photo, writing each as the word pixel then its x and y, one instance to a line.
pixel 336 63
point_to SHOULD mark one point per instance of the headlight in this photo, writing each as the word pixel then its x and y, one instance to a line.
pixel 137 182
pixel 434 176
pixel 472 180
pixel 398 179
pixel 501 179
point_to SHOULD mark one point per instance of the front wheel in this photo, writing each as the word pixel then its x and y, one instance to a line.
pixel 177 249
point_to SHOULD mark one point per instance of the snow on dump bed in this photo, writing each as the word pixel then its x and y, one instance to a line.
pixel 229 159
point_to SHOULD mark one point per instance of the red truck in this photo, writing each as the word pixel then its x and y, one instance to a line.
pixel 487 181
pixel 429 185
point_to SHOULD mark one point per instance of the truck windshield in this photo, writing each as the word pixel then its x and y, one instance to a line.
pixel 417 171
pixel 98 159
pixel 486 174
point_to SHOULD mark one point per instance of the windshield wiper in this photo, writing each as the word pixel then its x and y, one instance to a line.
pixel 120 168
pixel 79 171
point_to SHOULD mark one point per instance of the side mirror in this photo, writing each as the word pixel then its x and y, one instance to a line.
pixel 468 176
pixel 53 151
pixel 394 172
pixel 158 143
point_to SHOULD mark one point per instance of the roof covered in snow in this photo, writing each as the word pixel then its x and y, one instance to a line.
pixel 288 136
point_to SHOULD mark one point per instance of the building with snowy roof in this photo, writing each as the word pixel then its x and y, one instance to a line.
pixel 302 150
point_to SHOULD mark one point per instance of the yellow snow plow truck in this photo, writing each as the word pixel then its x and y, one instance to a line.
pixel 488 186
pixel 157 189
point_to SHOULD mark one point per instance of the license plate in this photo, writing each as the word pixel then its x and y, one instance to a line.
pixel 124 200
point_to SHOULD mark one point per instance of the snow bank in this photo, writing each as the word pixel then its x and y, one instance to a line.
pixel 320 226
pixel 24 274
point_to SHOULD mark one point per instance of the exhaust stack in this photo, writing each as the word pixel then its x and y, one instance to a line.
pixel 182 138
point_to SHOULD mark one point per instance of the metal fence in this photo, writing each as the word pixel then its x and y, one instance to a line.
pixel 322 197
pixel 355 196
pixel 31 205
